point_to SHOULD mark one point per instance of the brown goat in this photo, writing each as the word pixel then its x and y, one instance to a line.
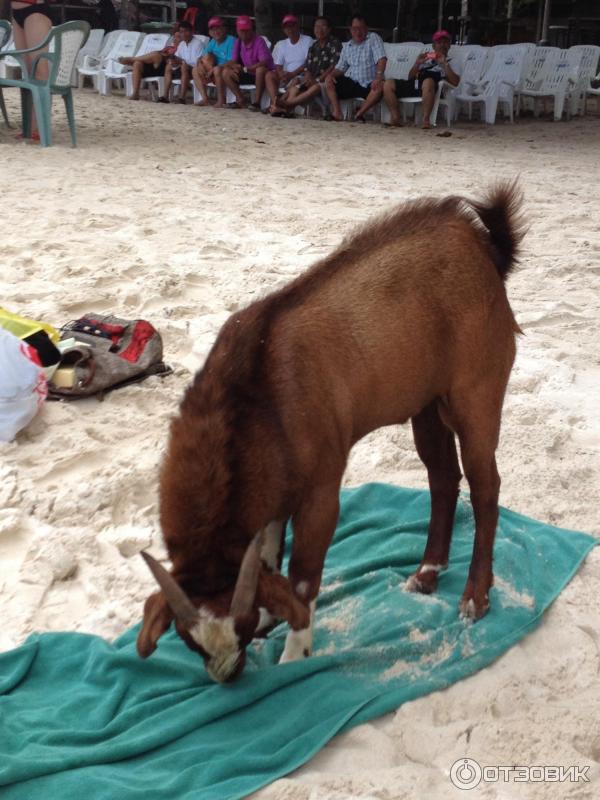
pixel 407 319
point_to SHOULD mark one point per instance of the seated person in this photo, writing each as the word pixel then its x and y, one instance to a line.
pixel 151 65
pixel 185 58
pixel 217 52
pixel 250 63
pixel 323 55
pixel 289 57
pixel 359 72
pixel 423 79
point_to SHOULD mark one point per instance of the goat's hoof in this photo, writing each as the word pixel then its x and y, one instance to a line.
pixel 470 609
pixel 425 579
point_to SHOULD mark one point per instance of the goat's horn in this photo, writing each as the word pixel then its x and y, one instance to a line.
pixel 179 602
pixel 245 587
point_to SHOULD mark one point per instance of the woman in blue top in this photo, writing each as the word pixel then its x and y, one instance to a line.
pixel 208 68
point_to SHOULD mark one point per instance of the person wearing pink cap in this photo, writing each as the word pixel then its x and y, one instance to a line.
pixel 290 56
pixel 250 63
pixel 209 66
pixel 423 79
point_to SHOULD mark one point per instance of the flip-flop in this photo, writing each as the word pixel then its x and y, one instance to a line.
pixel 35 137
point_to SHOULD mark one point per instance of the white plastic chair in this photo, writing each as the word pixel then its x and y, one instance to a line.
pixel 90 64
pixel 498 86
pixel 127 46
pixel 9 67
pixel 587 70
pixel 92 47
pixel 553 80
pixel 400 59
pixel 115 72
pixel 471 67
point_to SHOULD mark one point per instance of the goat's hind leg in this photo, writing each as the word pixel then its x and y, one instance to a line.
pixel 437 449
pixel 478 429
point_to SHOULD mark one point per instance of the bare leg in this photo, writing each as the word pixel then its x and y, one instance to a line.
pixel 199 78
pixel 186 75
pixel 220 84
pixel 336 112
pixel 372 98
pixel 231 79
pixel 168 81
pixel 259 81
pixel 272 82
pixel 36 29
pixel 428 92
pixel 391 101
pixel 437 450
pixel 136 79
pixel 295 98
pixel 314 525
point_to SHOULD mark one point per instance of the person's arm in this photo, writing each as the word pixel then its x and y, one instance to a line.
pixel 264 56
pixel 235 56
pixel 451 76
pixel 377 82
pixel 414 70
pixel 341 66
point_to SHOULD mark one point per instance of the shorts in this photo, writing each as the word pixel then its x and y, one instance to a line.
pixel 247 78
pixel 346 88
pixel 21 14
pixel 150 71
pixel 407 88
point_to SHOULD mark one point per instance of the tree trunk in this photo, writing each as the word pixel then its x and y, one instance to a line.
pixel 264 17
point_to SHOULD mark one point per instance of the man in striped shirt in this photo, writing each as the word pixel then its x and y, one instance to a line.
pixel 359 72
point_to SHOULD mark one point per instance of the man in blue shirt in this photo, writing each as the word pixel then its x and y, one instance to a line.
pixel 208 67
pixel 359 72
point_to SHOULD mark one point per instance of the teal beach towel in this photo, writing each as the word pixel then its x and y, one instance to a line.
pixel 84 718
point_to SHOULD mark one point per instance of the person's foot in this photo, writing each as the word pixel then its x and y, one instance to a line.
pixel 34 137
pixel 202 104
pixel 426 124
pixel 336 117
pixel 254 107
pixel 162 100
pixel 235 106
pixel 134 97
pixel 219 105
pixel 181 101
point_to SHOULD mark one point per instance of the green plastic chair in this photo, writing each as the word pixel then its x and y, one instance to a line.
pixel 64 42
pixel 5 34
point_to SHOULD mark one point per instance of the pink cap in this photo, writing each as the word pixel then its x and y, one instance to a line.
pixel 289 19
pixel 215 22
pixel 243 23
pixel 441 35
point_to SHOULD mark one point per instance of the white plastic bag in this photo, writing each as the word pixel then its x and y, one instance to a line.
pixel 23 386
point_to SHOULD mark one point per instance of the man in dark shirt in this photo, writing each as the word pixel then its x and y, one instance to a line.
pixel 322 58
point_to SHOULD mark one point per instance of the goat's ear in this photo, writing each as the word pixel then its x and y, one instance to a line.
pixel 275 594
pixel 157 618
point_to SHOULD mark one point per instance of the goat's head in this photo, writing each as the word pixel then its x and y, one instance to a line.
pixel 219 628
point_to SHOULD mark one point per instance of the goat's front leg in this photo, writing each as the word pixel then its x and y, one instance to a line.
pixel 272 556
pixel 314 525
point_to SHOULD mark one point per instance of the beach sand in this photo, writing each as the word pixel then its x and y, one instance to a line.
pixel 183 215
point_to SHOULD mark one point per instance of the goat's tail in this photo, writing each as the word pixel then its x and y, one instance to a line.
pixel 500 213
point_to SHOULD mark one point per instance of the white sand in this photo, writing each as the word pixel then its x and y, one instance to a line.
pixel 182 215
